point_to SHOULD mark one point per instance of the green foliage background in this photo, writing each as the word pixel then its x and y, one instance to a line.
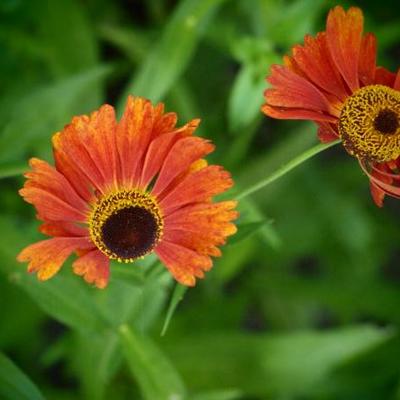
pixel 305 302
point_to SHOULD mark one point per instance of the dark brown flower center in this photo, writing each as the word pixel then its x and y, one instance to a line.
pixel 130 232
pixel 126 224
pixel 386 122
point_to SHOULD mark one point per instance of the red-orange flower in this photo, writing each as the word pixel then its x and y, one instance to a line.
pixel 334 81
pixel 120 190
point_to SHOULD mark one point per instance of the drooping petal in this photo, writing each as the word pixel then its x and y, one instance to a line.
pixel 384 77
pixel 94 266
pixel 397 81
pixel 327 132
pixel 197 187
pixel 184 264
pixel 46 257
pixel 344 36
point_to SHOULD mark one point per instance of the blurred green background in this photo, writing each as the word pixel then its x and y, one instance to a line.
pixel 305 302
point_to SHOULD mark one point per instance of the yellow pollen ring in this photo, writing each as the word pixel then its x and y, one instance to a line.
pixel 117 203
pixel 369 123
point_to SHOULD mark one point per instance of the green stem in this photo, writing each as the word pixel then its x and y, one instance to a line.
pixel 286 168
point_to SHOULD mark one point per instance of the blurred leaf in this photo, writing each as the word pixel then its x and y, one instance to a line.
pixel 284 364
pixel 62 25
pixel 174 50
pixel 245 230
pixel 228 394
pixel 12 169
pixel 65 298
pixel 176 298
pixel 154 373
pixel 41 113
pixel 14 384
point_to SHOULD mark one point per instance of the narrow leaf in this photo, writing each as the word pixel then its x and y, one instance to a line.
pixel 177 296
pixel 153 372
pixel 14 384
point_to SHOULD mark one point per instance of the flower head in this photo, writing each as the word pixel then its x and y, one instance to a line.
pixel 333 80
pixel 121 190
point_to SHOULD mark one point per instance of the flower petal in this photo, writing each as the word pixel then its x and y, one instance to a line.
pixel 344 36
pixel 94 267
pixel 51 207
pixel 134 133
pixel 326 132
pixel 197 187
pixel 184 264
pixel 181 156
pixel 159 149
pixel 293 91
pixel 45 177
pixel 201 227
pixel 367 61
pixel 316 63
pixel 46 257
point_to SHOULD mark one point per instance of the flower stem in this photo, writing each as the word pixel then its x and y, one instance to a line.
pixel 286 168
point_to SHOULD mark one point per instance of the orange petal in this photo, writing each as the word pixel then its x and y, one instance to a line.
pixel 46 257
pixel 384 77
pixel 74 159
pixel 296 113
pixel 94 267
pixel 396 85
pixel 367 61
pixel 201 227
pixel 197 187
pixel 63 229
pixel 184 264
pixel 293 91
pixel 316 63
pixel 134 133
pixel 326 132
pixel 344 36
pixel 181 156
pixel 51 207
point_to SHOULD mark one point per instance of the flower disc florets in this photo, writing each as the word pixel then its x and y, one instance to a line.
pixel 369 123
pixel 126 225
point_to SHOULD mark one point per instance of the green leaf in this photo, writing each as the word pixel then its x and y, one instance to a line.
pixel 227 394
pixel 155 375
pixel 65 298
pixel 12 169
pixel 247 229
pixel 171 55
pixel 39 114
pixel 284 364
pixel 177 296
pixel 14 384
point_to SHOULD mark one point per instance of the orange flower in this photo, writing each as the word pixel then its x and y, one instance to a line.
pixel 121 190
pixel 333 80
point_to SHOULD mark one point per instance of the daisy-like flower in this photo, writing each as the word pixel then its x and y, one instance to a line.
pixel 334 81
pixel 121 190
